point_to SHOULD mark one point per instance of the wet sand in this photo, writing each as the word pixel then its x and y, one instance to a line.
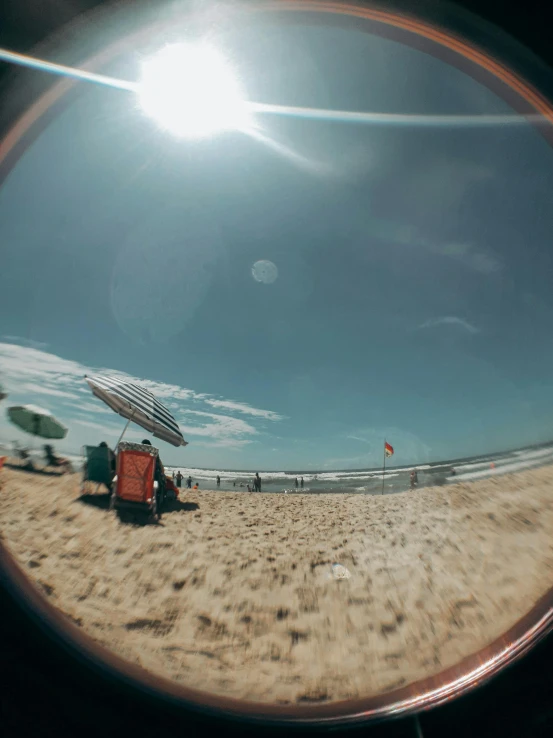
pixel 233 593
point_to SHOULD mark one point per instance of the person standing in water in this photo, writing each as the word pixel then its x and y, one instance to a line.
pixel 257 482
pixel 218 481
pixel 301 483
pixel 189 482
pixel 296 482
pixel 179 478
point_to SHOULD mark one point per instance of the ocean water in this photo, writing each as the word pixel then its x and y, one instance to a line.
pixel 358 481
pixel 372 481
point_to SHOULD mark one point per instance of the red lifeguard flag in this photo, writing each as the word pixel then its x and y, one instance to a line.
pixel 388 450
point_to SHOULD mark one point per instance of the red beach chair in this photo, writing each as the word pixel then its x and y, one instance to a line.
pixel 134 485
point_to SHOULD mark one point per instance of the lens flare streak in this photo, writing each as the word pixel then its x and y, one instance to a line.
pixel 346 116
pixel 338 116
pixel 23 60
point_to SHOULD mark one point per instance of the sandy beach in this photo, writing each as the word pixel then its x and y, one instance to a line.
pixel 233 593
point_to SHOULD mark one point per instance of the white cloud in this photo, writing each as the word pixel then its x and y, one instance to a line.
pixel 471 256
pixel 481 261
pixel 44 390
pixel 91 407
pixel 21 363
pixel 241 407
pixel 449 320
pixel 24 341
pixel 221 426
pixel 106 429
pixel 33 375
pixel 226 443
pixel 467 254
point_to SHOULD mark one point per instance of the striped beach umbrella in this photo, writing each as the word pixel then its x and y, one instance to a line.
pixel 139 405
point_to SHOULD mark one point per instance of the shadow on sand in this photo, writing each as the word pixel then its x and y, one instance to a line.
pixel 177 505
pixel 128 517
pixel 101 502
pixel 32 470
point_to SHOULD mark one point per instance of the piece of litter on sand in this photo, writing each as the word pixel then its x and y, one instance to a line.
pixel 340 572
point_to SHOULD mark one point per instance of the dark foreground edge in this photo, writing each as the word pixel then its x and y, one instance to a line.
pixel 472 671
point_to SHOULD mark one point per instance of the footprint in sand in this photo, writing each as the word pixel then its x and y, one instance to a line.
pixel 313 696
pixel 308 600
pixel 156 627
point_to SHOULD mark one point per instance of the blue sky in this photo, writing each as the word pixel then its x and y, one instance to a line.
pixel 413 299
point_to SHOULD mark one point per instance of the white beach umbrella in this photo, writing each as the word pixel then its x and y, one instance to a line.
pixel 139 405
pixel 37 421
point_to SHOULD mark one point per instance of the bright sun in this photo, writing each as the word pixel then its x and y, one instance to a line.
pixel 192 92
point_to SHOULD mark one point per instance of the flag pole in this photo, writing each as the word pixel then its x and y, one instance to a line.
pixel 383 467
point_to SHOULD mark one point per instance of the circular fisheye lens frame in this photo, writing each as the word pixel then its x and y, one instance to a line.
pixel 452 45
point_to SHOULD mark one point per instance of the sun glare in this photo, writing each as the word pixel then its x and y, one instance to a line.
pixel 191 91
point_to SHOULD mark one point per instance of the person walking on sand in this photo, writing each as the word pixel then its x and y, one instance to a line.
pixel 257 482
pixel 301 483
pixel 218 481
pixel 189 482
pixel 179 478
